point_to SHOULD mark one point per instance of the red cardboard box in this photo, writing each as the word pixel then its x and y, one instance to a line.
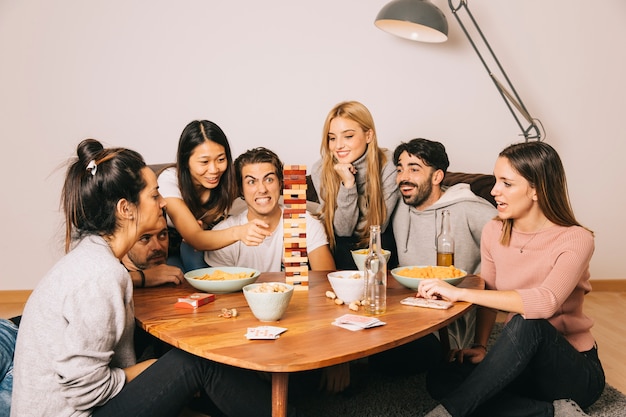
pixel 195 300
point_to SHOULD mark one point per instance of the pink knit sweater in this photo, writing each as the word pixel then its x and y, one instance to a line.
pixel 551 275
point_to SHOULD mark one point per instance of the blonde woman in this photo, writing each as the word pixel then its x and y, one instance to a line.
pixel 355 182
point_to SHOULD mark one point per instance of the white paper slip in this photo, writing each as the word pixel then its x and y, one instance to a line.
pixel 355 322
pixel 426 302
pixel 264 332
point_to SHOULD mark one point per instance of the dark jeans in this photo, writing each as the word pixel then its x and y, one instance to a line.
pixel 411 358
pixel 8 336
pixel 530 365
pixel 172 382
pixel 191 258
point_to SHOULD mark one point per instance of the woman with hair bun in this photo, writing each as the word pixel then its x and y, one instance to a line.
pixel 74 353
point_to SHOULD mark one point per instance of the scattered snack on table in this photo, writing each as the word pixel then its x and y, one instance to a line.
pixel 228 313
pixel 440 272
pixel 331 295
pixel 220 275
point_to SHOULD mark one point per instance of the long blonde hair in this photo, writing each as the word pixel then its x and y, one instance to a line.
pixel 330 180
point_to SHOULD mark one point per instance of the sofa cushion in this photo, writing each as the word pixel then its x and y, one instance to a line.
pixel 480 184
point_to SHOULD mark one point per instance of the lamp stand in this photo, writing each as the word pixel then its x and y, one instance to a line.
pixel 507 91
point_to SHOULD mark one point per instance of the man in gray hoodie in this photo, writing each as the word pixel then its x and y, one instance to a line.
pixel 421 165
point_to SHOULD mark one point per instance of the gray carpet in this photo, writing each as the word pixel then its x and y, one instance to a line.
pixel 375 395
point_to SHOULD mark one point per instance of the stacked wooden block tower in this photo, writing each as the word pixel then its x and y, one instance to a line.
pixel 295 256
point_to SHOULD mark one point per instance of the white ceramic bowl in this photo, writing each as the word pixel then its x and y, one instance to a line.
pixel 349 286
pixel 221 286
pixel 413 283
pixel 359 256
pixel 268 306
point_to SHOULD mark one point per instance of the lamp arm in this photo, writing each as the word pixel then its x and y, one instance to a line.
pixel 509 95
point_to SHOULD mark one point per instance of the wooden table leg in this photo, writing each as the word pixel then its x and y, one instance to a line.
pixel 280 387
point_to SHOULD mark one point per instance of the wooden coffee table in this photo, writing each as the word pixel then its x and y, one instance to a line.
pixel 310 342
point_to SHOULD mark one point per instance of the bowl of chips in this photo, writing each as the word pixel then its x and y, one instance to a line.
pixel 359 256
pixel 268 300
pixel 410 276
pixel 221 280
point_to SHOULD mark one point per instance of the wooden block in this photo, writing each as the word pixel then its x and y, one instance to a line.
pixel 298 180
pixel 294 213
pixel 301 241
pixel 289 260
pixel 297 229
pixel 295 192
pixel 294 222
pixel 295 252
pixel 296 205
pixel 294 168
pixel 296 268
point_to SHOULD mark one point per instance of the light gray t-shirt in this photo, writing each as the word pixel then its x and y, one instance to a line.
pixel 268 256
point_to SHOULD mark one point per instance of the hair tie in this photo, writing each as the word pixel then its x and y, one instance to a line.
pixel 92 167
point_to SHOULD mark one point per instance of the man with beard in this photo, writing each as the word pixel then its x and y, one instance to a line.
pixel 421 165
pixel 146 261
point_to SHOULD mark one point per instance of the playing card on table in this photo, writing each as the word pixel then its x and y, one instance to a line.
pixel 426 302
pixel 355 322
pixel 264 332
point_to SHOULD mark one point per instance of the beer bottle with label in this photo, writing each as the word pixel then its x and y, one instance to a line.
pixel 445 242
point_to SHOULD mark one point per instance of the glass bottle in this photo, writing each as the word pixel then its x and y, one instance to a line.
pixel 375 275
pixel 445 242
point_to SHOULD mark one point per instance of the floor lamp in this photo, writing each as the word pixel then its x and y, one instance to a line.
pixel 420 20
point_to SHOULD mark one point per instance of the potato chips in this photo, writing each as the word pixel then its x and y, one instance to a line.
pixel 425 272
pixel 220 275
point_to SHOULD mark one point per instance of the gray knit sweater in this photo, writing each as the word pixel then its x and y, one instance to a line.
pixel 351 211
pixel 416 231
pixel 75 336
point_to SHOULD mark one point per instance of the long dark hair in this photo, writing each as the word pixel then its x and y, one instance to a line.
pixel 221 198
pixel 541 166
pixel 95 181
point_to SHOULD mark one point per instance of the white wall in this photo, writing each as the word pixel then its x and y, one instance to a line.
pixel 133 73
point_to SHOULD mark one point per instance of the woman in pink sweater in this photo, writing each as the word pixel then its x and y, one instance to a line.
pixel 535 263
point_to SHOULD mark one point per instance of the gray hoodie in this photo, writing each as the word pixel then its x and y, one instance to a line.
pixel 416 231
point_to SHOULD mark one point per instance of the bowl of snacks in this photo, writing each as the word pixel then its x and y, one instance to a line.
pixel 359 256
pixel 268 300
pixel 410 276
pixel 221 280
pixel 348 286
